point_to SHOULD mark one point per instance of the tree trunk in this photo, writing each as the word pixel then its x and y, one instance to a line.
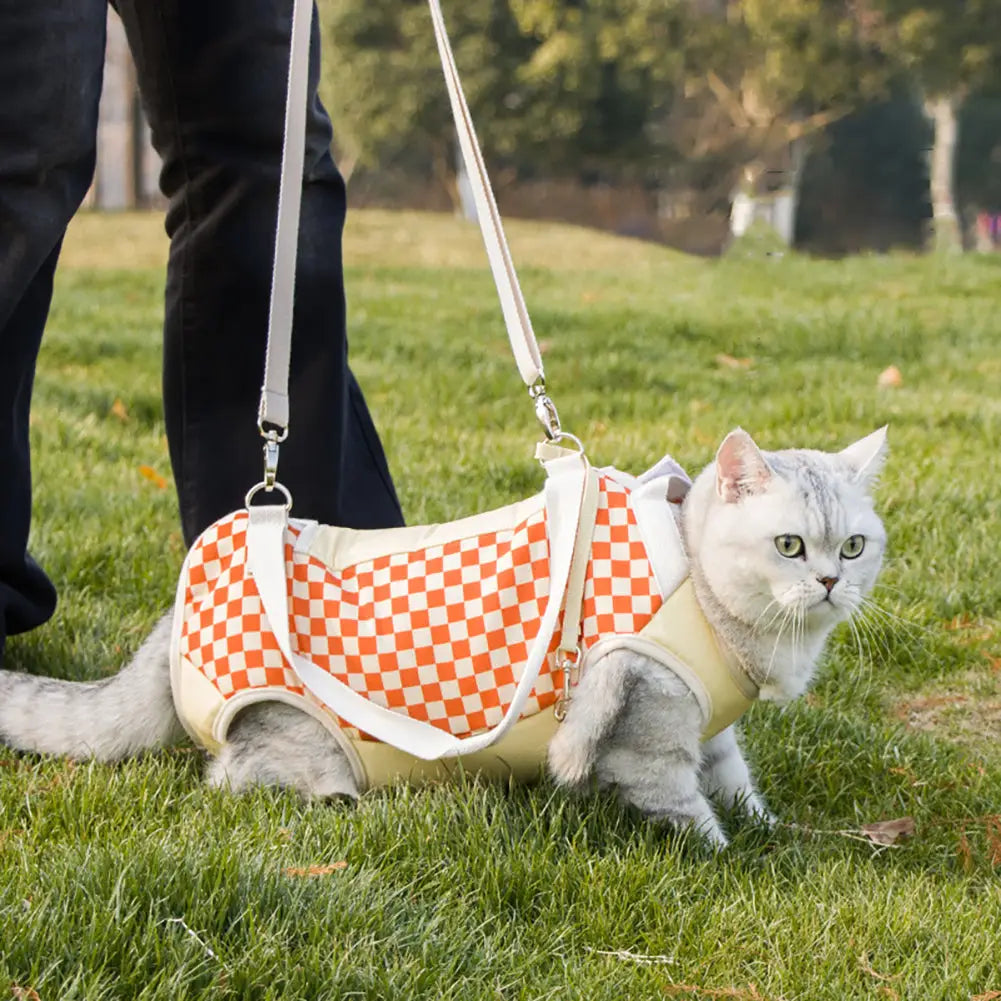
pixel 115 174
pixel 774 210
pixel 441 168
pixel 744 207
pixel 943 114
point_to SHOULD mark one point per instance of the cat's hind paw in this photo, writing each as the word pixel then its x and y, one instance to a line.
pixel 570 761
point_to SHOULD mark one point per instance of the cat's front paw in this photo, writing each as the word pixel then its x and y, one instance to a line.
pixel 753 806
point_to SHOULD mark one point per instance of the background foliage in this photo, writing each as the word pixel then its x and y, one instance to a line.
pixel 684 99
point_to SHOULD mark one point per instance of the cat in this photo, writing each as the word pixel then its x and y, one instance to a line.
pixel 782 546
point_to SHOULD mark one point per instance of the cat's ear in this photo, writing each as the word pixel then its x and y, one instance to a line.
pixel 866 456
pixel 741 470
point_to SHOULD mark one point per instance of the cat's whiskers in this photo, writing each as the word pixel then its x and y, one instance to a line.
pixel 790 611
pixel 757 626
pixel 870 605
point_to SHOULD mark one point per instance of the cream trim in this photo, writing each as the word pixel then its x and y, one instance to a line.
pixel 654 651
pixel 681 629
pixel 175 660
pixel 344 547
pixel 251 696
pixel 198 703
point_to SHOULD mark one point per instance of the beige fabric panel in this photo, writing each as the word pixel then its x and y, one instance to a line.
pixel 680 627
pixel 344 547
pixel 519 755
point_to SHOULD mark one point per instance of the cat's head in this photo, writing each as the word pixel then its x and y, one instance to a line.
pixel 788 543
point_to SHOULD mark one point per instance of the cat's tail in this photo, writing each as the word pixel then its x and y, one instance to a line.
pixel 115 718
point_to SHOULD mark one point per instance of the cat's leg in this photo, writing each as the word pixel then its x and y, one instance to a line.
pixel 635 726
pixel 273 744
pixel 593 712
pixel 724 776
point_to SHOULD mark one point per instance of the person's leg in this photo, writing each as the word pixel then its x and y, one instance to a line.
pixel 213 78
pixel 51 60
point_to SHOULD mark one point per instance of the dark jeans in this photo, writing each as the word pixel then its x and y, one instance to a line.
pixel 212 76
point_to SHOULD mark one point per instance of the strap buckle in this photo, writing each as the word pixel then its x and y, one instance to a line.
pixel 569 662
pixel 272 439
pixel 545 409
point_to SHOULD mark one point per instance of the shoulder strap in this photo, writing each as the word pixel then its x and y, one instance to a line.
pixel 274 405
pixel 569 485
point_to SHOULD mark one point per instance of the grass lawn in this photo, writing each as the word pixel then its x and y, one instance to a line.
pixel 135 881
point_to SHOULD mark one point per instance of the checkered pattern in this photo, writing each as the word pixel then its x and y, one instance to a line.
pixel 440 634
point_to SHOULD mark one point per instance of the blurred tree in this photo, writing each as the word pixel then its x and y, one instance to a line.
pixel 865 185
pixel 383 80
pixel 764 76
pixel 978 161
pixel 950 49
pixel 558 87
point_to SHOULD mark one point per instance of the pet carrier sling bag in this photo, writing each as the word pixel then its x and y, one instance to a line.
pixel 417 646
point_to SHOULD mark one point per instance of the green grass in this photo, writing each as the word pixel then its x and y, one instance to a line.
pixel 135 881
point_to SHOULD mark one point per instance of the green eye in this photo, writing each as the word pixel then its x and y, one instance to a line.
pixel 790 546
pixel 853 547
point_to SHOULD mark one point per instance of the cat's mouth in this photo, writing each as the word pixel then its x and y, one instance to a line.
pixel 827 607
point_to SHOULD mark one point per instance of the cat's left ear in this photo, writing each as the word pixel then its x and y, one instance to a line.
pixel 866 456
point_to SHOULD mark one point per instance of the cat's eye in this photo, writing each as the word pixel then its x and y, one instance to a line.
pixel 790 546
pixel 853 547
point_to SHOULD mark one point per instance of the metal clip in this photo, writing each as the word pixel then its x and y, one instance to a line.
pixel 272 437
pixel 270 459
pixel 545 410
pixel 568 661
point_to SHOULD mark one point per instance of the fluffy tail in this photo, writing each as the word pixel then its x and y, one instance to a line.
pixel 115 718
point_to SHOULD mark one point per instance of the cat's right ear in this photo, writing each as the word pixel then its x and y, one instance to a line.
pixel 866 456
pixel 741 470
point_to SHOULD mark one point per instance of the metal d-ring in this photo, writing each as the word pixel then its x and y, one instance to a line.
pixel 567 436
pixel 257 488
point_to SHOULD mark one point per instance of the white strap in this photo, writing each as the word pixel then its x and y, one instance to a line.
pixel 565 493
pixel 273 407
pixel 572 605
pixel 516 319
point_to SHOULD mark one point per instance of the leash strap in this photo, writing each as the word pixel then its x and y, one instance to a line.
pixel 516 319
pixel 273 409
pixel 570 484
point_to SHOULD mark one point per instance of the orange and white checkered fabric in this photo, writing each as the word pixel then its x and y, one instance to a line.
pixel 440 634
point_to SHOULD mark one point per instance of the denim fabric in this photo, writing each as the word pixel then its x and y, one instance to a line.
pixel 212 77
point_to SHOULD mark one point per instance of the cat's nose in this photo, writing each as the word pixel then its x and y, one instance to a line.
pixel 828 582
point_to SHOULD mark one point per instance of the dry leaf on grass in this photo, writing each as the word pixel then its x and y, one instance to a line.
pixel 315 870
pixel 887 832
pixel 118 410
pixel 153 476
pixel 728 361
pixel 890 378
pixel 989 996
pixel 994 841
pixel 23 993
pixel 749 993
pixel 642 958
pixel 863 964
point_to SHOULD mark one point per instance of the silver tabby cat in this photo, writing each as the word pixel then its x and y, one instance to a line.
pixel 782 547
